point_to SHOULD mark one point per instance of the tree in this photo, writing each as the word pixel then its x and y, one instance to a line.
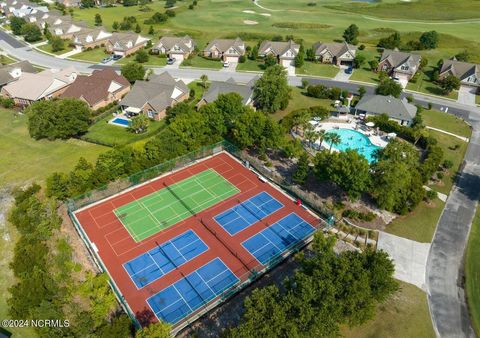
pixel 170 3
pixel 450 83
pixel 271 92
pixel 31 32
pixel 387 87
pixel 154 330
pixel 373 65
pixel 46 32
pixel 138 29
pixel 351 34
pixel 98 19
pixel 300 57
pixel 463 56
pixel 128 3
pixel 87 3
pixel 303 167
pixel 141 56
pixel 358 61
pixel 115 26
pixel 310 54
pixel 133 71
pixel 361 91
pixel 58 118
pixel 151 31
pixel 139 124
pixel 334 139
pixel 348 170
pixel 270 61
pixel 390 42
pixel 429 40
pixel 204 79
pixel 57 43
pixel 16 24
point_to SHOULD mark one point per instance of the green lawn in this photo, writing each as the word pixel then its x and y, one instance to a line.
pixel 472 273
pixel 24 159
pixel 364 75
pixel 447 122
pixel 95 55
pixel 6 60
pixel 405 315
pixel 447 143
pixel 477 99
pixel 318 69
pixel 199 90
pixel 418 225
pixel 113 135
pixel 200 62
pixel 48 48
pixel 300 101
pixel 251 65
pixel 424 85
pixel 153 60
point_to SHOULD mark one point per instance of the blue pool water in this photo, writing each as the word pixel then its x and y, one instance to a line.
pixel 352 139
pixel 120 121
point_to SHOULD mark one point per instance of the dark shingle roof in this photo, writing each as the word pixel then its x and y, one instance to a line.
pixel 5 71
pixel 393 107
pixel 230 86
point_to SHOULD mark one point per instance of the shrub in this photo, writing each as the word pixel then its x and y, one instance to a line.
pixel 361 47
pixel 431 195
pixel 447 164
pixel 242 59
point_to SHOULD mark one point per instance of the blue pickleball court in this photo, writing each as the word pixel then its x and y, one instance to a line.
pixel 162 259
pixel 191 292
pixel 278 238
pixel 248 212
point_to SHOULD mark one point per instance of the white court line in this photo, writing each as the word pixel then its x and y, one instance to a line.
pixel 203 280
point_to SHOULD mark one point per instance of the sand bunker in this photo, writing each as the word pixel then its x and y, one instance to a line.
pixel 250 22
pixel 266 14
pixel 249 12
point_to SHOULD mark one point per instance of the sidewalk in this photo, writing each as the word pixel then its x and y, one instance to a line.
pixel 448 133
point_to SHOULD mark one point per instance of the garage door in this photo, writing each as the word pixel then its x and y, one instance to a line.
pixel 231 59
pixel 286 63
pixel 178 57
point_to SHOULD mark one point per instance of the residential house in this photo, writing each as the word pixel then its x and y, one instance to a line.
pixel 73 3
pixel 66 29
pixel 25 10
pixel 337 53
pixel 12 72
pixel 284 52
pixel 153 97
pixel 228 50
pixel 99 89
pixel 398 110
pixel 45 85
pixel 20 7
pixel 400 65
pixel 216 88
pixel 467 73
pixel 178 48
pixel 125 43
pixel 91 38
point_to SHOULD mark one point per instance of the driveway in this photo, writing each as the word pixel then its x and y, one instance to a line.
pixel 341 75
pixel 232 66
pixel 409 257
pixel 175 65
pixel 466 95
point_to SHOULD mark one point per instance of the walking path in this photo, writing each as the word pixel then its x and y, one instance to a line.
pixel 441 197
pixel 448 133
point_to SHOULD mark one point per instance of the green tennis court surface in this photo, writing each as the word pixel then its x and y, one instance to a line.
pixel 172 204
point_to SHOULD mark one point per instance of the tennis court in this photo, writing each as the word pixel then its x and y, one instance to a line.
pixel 164 258
pixel 246 213
pixel 191 292
pixel 278 237
pixel 159 210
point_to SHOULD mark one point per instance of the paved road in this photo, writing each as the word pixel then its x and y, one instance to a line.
pixel 445 263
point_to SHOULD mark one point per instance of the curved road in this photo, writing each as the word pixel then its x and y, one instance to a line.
pixel 445 280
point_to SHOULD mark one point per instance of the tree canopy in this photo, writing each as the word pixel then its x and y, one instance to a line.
pixel 133 71
pixel 54 119
pixel 351 34
pixel 271 92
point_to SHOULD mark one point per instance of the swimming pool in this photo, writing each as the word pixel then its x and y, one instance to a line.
pixel 352 139
pixel 120 121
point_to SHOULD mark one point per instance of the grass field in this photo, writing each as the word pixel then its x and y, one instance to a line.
pixel 300 101
pixel 456 156
pixel 153 60
pixel 447 122
pixel 94 55
pixel 251 65
pixel 200 62
pixel 472 273
pixel 318 69
pixel 420 224
pixel 48 48
pixel 24 159
pixel 197 86
pixel 174 203
pixel 113 135
pixel 405 315
pixel 6 60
